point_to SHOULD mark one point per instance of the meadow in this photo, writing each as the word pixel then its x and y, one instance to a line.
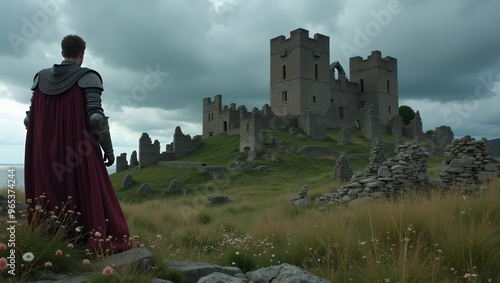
pixel 432 236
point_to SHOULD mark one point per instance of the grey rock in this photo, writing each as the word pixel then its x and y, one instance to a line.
pixel 175 187
pixel 193 271
pixel 218 277
pixel 145 190
pixel 283 273
pixel 139 257
pixel 384 172
pixel 213 200
pixel 127 181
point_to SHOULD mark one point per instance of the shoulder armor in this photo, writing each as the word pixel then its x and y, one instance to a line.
pixel 91 80
pixel 35 82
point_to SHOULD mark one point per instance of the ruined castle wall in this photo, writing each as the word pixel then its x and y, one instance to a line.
pixel 183 144
pixel 121 162
pixel 149 152
pixel 312 126
pixel 250 131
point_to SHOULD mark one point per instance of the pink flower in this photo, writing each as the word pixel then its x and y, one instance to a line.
pixel 108 270
pixel 70 245
pixel 59 252
pixel 141 246
pixel 86 261
pixel 467 276
pixel 3 263
pixel 158 237
pixel 47 264
pixel 3 246
pixel 97 234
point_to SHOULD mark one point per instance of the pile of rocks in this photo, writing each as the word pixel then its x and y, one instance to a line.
pixel 127 181
pixel 342 171
pixel 344 136
pixel 176 187
pixel 302 198
pixel 214 200
pixel 468 161
pixel 408 170
pixel 145 190
pixel 377 157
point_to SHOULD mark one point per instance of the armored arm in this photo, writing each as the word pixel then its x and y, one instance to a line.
pixel 96 120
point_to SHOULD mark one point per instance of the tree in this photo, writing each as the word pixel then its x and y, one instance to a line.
pixel 407 113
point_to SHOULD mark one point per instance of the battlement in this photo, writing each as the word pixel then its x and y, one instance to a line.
pixel 373 60
pixel 300 38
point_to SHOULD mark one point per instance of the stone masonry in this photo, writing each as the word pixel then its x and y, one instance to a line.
pixel 408 170
pixel 342 171
pixel 467 162
pixel 344 137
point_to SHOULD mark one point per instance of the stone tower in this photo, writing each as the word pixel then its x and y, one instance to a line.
pixel 300 73
pixel 377 80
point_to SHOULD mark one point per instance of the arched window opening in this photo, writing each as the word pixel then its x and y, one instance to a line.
pixel 225 126
pixel 388 87
pixel 316 71
pixel 314 99
pixel 362 85
pixel 284 72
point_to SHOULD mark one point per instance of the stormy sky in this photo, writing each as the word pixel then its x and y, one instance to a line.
pixel 160 58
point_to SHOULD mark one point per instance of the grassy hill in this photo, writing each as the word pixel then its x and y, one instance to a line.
pixel 287 175
pixel 495 143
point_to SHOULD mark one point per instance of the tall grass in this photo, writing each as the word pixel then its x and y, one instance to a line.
pixel 431 237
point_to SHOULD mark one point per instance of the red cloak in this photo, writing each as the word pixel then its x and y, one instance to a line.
pixel 63 160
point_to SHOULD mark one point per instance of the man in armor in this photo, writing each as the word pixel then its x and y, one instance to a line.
pixel 66 129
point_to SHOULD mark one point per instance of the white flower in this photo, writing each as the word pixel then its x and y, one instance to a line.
pixel 28 257
pixel 237 253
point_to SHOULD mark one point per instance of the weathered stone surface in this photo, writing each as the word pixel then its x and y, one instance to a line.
pixel 384 172
pixel 218 277
pixel 127 181
pixel 468 162
pixel 283 273
pixel 139 257
pixel 145 190
pixel 342 171
pixel 344 136
pixel 302 198
pixel 213 200
pixel 193 271
pixel 176 187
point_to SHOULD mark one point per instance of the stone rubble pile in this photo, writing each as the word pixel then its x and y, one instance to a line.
pixel 213 200
pixel 344 136
pixel 377 157
pixel 342 171
pixel 407 170
pixel 469 162
pixel 301 198
pixel 145 190
pixel 127 181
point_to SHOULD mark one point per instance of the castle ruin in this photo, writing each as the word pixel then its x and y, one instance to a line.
pixel 310 93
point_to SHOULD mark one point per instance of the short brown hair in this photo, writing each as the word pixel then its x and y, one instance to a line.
pixel 72 45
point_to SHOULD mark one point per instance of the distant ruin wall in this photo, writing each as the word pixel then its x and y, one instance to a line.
pixel 148 152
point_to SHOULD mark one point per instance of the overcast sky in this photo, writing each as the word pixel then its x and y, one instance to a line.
pixel 159 59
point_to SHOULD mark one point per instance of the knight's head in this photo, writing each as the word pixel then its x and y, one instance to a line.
pixel 73 48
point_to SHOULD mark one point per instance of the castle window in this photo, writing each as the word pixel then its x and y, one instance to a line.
pixel 388 89
pixel 316 71
pixel 362 85
pixel 341 112
pixel 248 127
pixel 284 96
pixel 314 99
pixel 331 101
pixel 284 72
pixel 363 104
pixel 389 109
pixel 209 117
pixel 225 126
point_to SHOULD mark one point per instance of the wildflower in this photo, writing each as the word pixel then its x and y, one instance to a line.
pixel 233 263
pixel 47 264
pixel 3 263
pixel 59 252
pixel 28 257
pixel 141 246
pixel 78 229
pixel 97 234
pixel 3 246
pixel 86 261
pixel 237 253
pixel 108 270
pixel 70 245
pixel 158 237
pixel 467 275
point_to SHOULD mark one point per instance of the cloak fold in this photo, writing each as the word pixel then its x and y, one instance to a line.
pixel 63 160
